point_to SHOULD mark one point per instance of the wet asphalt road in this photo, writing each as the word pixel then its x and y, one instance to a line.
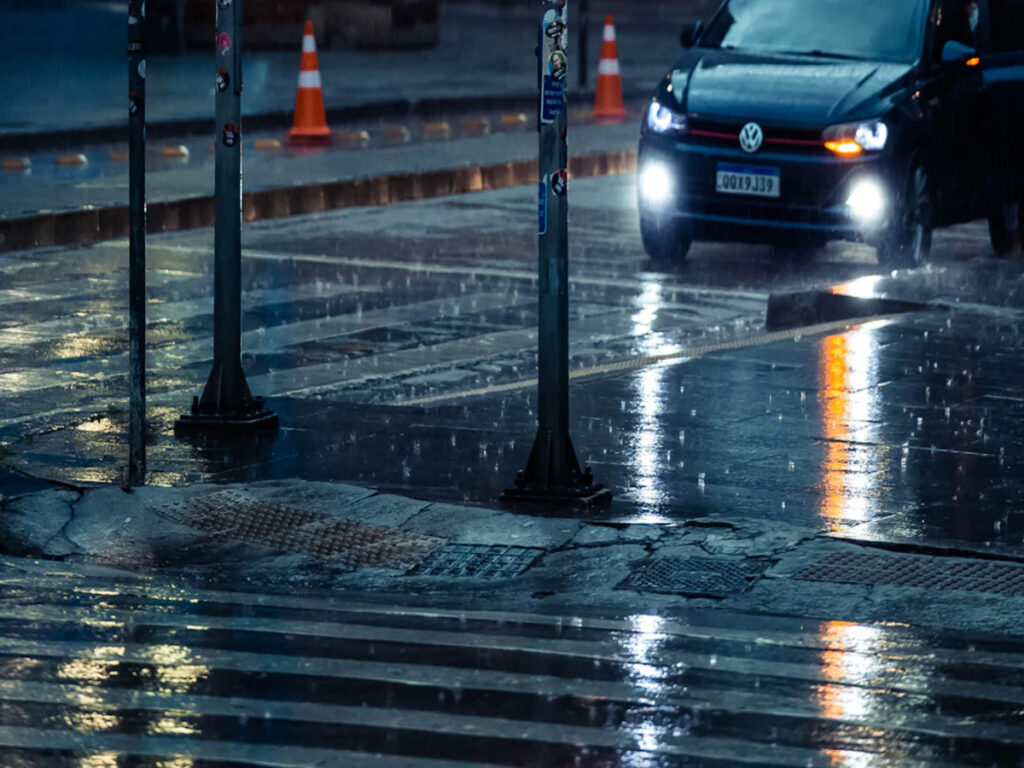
pixel 367 329
pixel 106 668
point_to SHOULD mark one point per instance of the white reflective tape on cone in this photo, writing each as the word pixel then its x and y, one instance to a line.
pixel 608 67
pixel 309 79
pixel 609 34
pixel 308 44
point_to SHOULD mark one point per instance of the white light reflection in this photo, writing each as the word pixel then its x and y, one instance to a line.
pixel 649 303
pixel 851 422
pixel 642 646
pixel 646 446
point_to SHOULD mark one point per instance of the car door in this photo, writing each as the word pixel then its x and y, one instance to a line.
pixel 1002 68
pixel 952 97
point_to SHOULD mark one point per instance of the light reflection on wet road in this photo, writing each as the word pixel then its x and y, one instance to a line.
pixel 107 668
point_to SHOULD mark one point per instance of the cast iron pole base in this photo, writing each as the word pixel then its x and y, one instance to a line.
pixel 227 407
pixel 252 420
pixel 553 478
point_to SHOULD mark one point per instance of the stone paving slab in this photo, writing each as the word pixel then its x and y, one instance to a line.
pixel 582 563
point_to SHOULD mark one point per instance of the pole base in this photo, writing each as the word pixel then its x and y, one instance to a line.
pixel 596 496
pixel 553 477
pixel 581 493
pixel 252 419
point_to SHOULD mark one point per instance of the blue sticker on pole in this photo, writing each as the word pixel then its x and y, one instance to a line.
pixel 542 206
pixel 552 102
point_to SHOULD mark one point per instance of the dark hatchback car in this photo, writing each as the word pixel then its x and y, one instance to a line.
pixel 796 122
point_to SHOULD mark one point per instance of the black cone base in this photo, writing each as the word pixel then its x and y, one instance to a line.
pixel 553 478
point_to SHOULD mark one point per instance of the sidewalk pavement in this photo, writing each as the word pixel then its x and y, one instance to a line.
pixel 67 81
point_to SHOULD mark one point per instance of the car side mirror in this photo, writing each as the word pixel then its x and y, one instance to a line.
pixel 954 52
pixel 691 34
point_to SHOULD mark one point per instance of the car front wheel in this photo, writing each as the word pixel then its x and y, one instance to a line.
pixel 908 241
pixel 666 242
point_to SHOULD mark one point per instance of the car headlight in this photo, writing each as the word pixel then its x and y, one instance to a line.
pixel 661 119
pixel 656 185
pixel 866 201
pixel 850 139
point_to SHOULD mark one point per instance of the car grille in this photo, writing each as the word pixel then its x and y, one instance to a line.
pixel 722 133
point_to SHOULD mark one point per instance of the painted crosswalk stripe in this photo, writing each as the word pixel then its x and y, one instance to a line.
pixel 608 652
pixel 59 582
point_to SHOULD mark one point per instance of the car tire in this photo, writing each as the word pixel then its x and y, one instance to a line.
pixel 665 242
pixel 908 241
pixel 1002 237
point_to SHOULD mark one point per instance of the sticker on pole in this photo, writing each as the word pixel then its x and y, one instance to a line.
pixel 559 182
pixel 230 134
pixel 554 27
pixel 552 102
pixel 222 79
pixel 558 66
pixel 224 44
pixel 133 104
pixel 542 206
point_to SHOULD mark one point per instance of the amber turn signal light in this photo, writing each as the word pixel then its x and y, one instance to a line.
pixel 844 148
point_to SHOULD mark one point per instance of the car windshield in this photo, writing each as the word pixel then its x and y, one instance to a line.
pixel 885 30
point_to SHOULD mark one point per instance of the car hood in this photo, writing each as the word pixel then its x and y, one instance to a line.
pixel 795 90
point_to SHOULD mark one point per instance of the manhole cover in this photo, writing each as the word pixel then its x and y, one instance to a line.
pixel 478 561
pixel 695 576
pixel 239 516
pixel 912 571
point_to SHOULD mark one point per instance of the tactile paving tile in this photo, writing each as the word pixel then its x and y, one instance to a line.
pixel 915 571
pixel 478 561
pixel 695 576
pixel 245 518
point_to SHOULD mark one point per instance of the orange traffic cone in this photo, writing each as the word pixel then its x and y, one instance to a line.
pixel 310 125
pixel 608 101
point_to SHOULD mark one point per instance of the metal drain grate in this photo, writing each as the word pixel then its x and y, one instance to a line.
pixel 697 577
pixel 239 516
pixel 478 561
pixel 912 571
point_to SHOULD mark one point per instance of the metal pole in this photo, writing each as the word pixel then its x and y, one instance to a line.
pixel 137 243
pixel 582 38
pixel 227 403
pixel 553 473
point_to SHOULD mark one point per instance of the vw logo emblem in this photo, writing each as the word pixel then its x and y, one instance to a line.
pixel 751 138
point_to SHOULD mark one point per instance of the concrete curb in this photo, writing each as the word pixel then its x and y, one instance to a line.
pixel 86 226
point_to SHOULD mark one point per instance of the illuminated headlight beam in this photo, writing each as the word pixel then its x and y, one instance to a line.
pixel 656 184
pixel 867 201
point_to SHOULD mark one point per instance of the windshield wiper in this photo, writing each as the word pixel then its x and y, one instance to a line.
pixel 819 53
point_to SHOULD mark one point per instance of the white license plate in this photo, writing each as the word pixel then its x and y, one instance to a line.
pixel 747 180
